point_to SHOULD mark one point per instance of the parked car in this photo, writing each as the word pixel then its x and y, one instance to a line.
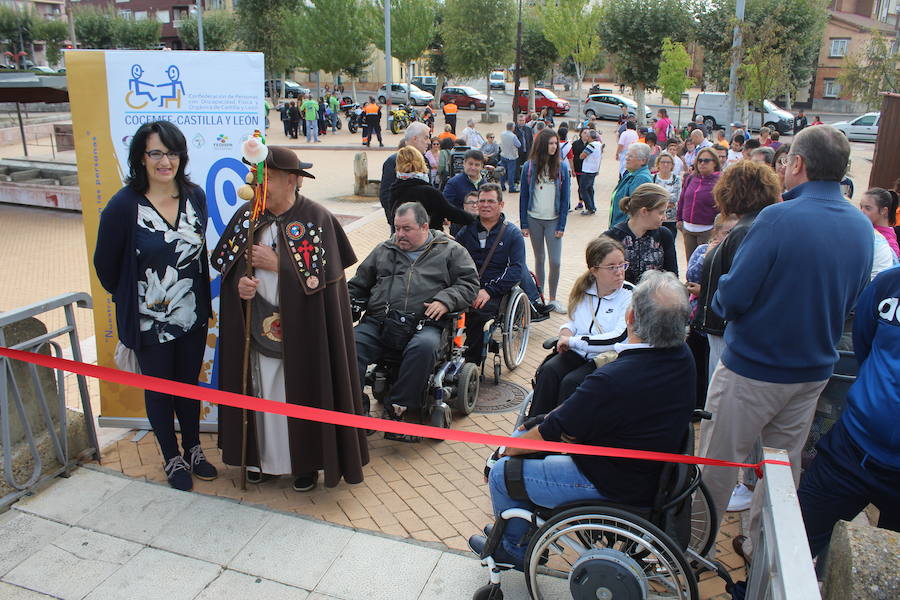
pixel 609 106
pixel 398 95
pixel 427 83
pixel 498 80
pixel 42 70
pixel 863 128
pixel 713 107
pixel 292 89
pixel 465 97
pixel 544 97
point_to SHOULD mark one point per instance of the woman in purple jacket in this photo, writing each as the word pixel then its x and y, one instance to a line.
pixel 697 208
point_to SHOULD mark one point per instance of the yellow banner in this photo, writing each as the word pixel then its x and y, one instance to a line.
pixel 99 178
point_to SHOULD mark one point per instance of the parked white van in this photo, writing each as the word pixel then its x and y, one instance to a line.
pixel 713 107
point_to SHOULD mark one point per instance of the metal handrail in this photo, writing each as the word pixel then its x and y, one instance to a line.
pixel 782 567
pixel 9 384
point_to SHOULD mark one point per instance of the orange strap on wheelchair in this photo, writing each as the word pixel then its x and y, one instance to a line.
pixel 319 415
pixel 460 328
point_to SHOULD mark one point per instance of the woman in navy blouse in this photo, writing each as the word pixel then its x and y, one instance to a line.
pixel 151 256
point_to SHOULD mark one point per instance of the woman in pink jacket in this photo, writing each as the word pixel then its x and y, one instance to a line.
pixel 697 208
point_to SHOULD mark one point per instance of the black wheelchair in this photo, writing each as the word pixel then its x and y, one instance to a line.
pixel 590 550
pixel 453 384
pixel 506 335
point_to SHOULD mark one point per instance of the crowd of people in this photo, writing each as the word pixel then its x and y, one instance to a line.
pixel 750 335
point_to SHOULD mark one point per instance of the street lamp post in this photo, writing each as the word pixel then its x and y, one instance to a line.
pixel 515 103
pixel 735 61
pixel 200 25
pixel 388 85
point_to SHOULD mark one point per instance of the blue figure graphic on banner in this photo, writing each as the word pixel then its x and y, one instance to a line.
pixel 136 85
pixel 176 88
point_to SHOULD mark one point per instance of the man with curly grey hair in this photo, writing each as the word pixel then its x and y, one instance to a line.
pixel 642 400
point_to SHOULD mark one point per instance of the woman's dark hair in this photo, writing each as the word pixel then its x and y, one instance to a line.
pixel 447 143
pixel 650 139
pixel 746 187
pixel 885 199
pixel 541 160
pixel 172 138
pixel 562 132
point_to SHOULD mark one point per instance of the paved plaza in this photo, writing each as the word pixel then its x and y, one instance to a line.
pixel 400 534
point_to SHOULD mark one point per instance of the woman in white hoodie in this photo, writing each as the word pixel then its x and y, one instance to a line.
pixel 596 324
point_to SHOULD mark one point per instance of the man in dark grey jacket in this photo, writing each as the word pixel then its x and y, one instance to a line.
pixel 422 274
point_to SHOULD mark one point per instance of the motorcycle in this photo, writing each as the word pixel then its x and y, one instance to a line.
pixel 401 117
pixel 355 117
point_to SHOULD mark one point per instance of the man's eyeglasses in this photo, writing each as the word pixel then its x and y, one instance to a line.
pixel 158 154
pixel 470 202
pixel 613 268
pixel 487 201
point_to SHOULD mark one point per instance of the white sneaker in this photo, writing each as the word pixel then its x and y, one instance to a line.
pixel 741 498
pixel 558 307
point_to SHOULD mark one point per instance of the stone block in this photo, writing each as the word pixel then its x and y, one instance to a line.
pixel 24 174
pixel 69 500
pixel 23 535
pixel 231 584
pixel 14 592
pixel 360 572
pixel 863 564
pixel 490 118
pixel 153 574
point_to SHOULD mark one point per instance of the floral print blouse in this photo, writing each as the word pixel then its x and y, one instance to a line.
pixel 169 273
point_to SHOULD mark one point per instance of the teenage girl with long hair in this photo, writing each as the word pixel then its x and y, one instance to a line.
pixel 543 207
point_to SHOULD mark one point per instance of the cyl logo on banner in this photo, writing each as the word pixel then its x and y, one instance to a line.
pixel 216 99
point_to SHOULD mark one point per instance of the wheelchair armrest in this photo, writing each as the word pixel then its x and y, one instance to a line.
pixel 702 414
pixel 550 343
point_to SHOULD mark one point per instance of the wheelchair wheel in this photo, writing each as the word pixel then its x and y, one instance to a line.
pixel 601 551
pixel 516 326
pixel 488 592
pixel 467 389
pixel 703 522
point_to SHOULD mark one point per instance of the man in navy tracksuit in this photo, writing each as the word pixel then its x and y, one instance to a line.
pixel 858 460
pixel 503 271
pixel 786 298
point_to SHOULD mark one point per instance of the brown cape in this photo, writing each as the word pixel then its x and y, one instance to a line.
pixel 317 328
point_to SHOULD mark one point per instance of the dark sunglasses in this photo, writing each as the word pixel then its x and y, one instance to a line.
pixel 706 160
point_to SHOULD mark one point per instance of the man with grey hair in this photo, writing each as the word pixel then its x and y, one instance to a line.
pixel 417 135
pixel 637 172
pixel 786 298
pixel 417 274
pixel 642 400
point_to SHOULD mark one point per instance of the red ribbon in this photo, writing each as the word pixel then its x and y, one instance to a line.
pixel 319 415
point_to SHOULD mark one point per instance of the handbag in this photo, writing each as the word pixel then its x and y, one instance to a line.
pixel 397 327
pixel 126 359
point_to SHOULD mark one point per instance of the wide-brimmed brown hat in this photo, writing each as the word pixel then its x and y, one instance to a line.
pixel 284 159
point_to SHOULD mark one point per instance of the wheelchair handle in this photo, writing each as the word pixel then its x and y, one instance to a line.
pixel 702 414
pixel 550 343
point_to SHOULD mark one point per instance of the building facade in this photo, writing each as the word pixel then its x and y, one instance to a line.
pixel 851 25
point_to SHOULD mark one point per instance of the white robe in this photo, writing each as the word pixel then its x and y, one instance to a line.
pixel 268 382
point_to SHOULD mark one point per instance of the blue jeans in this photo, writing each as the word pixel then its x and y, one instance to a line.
pixel 841 481
pixel 333 119
pixel 509 178
pixel 550 482
pixel 312 130
pixel 586 190
pixel 529 286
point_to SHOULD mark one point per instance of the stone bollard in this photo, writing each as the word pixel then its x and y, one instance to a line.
pixel 863 563
pixel 360 173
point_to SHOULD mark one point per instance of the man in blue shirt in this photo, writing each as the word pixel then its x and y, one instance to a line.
pixel 786 298
pixel 643 400
pixel 858 460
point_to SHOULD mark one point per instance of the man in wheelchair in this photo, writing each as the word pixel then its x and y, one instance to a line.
pixel 643 400
pixel 415 277
pixel 498 249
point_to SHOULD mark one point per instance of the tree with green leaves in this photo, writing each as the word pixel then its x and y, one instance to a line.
pixel 16 29
pixel 136 35
pixel 625 31
pixel 93 28
pixel 538 54
pixel 354 71
pixel 265 26
pixel 765 71
pixel 571 25
pixel 219 31
pixel 871 71
pixel 435 57
pixel 331 34
pixel 672 77
pixel 474 48
pixel 53 34
pixel 412 30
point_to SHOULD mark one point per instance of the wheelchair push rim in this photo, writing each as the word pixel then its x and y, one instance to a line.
pixel 601 532
pixel 516 332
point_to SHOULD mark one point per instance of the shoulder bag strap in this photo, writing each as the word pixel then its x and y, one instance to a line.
pixel 490 253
